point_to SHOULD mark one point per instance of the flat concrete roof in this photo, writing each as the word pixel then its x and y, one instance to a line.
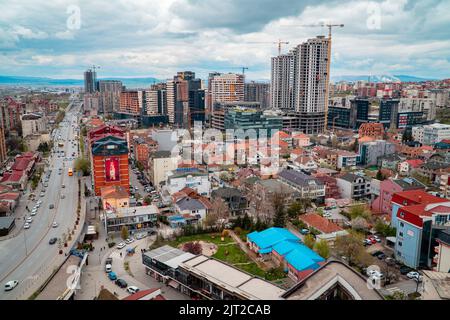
pixel 232 279
pixel 326 277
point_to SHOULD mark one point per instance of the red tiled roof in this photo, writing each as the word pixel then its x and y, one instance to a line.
pixel 320 223
pixel 9 196
pixel 415 163
pixel 413 197
pixel 21 164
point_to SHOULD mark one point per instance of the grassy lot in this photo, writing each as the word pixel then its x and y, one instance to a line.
pixel 228 251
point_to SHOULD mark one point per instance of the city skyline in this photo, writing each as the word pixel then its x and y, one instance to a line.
pixel 159 38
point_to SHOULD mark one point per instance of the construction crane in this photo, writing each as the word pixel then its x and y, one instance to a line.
pixel 243 70
pixel 95 67
pixel 278 43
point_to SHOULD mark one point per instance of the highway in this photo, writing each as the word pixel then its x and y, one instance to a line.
pixel 29 257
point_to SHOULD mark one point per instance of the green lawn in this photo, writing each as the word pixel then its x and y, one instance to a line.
pixel 230 252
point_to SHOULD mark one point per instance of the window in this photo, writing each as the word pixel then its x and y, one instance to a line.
pixel 402 224
pixel 400 234
pixel 400 244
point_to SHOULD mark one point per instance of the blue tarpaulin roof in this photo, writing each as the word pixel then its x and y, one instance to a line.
pixel 288 245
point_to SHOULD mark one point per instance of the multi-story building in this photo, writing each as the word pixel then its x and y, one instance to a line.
pixel 425 105
pixel 33 123
pixel 419 219
pixel 109 95
pixel 160 163
pixel 225 88
pixel 90 79
pixel 371 151
pixel 300 83
pixel 135 219
pixel 92 103
pixel 156 99
pixel 109 158
pixel 372 130
pixel 417 133
pixel 3 150
pixel 282 82
pixel 308 187
pixel 258 91
pixel 131 102
pixel 245 118
pixel 435 133
pixel 352 186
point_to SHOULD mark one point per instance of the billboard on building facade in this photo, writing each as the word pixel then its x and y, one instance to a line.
pixel 112 169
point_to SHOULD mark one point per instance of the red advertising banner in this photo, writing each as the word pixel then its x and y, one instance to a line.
pixel 112 169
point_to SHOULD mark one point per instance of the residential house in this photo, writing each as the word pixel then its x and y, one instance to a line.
pixel 236 201
pixel 160 163
pixel 405 167
pixel 114 197
pixel 136 219
pixel 328 229
pixel 352 186
pixel 198 181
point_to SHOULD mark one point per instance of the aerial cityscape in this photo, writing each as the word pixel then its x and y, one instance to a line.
pixel 225 150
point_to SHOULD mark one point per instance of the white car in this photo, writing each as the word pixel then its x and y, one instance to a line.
pixel 121 245
pixel 29 220
pixel 132 289
pixel 26 226
pixel 11 285
pixel 108 268
pixel 413 275
pixel 33 213
pixel 129 240
pixel 55 224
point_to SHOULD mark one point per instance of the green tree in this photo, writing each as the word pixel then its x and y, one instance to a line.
pixel 278 201
pixel 323 249
pixel 351 247
pixel 294 209
pixel 83 165
pixel 124 233
pixel 309 241
pixel 359 211
pixel 407 136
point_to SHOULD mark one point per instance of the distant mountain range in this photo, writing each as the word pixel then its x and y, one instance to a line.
pixel 50 82
pixel 380 78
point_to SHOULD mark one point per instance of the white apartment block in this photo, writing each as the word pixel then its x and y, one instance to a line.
pixel 435 133
pixel 417 133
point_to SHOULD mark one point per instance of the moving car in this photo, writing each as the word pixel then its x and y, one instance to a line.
pixel 52 241
pixel 121 245
pixel 11 285
pixel 55 224
pixel 51 206
pixel 121 283
pixel 129 240
pixel 132 289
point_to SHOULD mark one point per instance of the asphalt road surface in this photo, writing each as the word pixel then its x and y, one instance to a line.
pixel 26 256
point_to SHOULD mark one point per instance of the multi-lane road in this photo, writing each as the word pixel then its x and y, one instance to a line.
pixel 28 257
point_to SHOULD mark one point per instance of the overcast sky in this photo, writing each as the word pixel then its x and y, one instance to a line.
pixel 159 37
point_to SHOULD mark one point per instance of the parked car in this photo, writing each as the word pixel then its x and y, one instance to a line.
pixel 121 283
pixel 52 241
pixel 29 220
pixel 51 206
pixel 129 240
pixel 381 256
pixel 121 245
pixel 304 231
pixel 112 276
pixel 132 289
pixel 376 253
pixel 109 261
pixel 405 270
pixel 11 285
pixel 108 268
pixel 413 275
pixel 26 226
